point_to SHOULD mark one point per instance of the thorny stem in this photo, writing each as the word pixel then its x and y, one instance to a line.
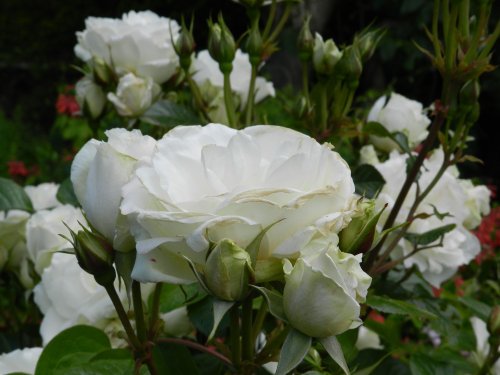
pixel 110 289
pixel 228 101
pixel 155 310
pixel 251 96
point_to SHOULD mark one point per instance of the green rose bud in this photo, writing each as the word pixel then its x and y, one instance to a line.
pixel 358 236
pixel 254 44
pixel 185 45
pixel 367 42
pixel 102 72
pixel 221 45
pixel 94 255
pixel 350 66
pixel 306 41
pixel 227 271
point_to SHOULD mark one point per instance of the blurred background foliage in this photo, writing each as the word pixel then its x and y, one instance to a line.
pixel 37 63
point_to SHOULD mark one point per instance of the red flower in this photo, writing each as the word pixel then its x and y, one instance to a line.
pixel 376 317
pixel 66 104
pixel 17 168
pixel 488 234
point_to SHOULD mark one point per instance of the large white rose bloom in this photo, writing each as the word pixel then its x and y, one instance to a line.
pixel 207 75
pixel 139 43
pixel 204 184
pixel 398 113
pixel 20 360
pixel 44 230
pixel 98 173
pixel 449 195
pixel 68 296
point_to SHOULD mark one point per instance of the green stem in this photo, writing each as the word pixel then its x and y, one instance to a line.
pixel 228 101
pixel 259 320
pixel 251 96
pixel 235 335
pixel 197 96
pixel 246 330
pixel 305 83
pixel 155 310
pixel 140 323
pixel 270 19
pixel 435 30
pixel 463 19
pixel 493 356
pixel 323 107
pixel 110 289
pixel 197 346
pixel 451 40
pixel 281 24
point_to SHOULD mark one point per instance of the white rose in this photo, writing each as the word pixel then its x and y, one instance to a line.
pixel 139 43
pixel 478 203
pixel 325 55
pixel 44 230
pixel 98 173
pixel 134 95
pixel 43 196
pixel 324 288
pixel 367 339
pixel 68 296
pixel 209 183
pixel 399 114
pixel 206 69
pixel 90 96
pixel 459 246
pixel 20 360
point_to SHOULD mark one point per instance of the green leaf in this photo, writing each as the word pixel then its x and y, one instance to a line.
pixel 377 129
pixel 421 364
pixel 13 197
pixel 220 309
pixel 402 140
pixel 171 359
pixel 430 236
pixel 368 370
pixel 367 180
pixel 393 306
pixel 124 262
pixel 253 248
pixel 334 349
pixel 71 348
pixel 175 296
pixel 201 314
pixel 66 194
pixel 166 113
pixel 480 309
pixel 294 350
pixel 274 301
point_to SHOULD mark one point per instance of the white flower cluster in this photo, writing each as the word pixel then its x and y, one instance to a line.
pixel 137 50
pixel 463 204
pixel 199 186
